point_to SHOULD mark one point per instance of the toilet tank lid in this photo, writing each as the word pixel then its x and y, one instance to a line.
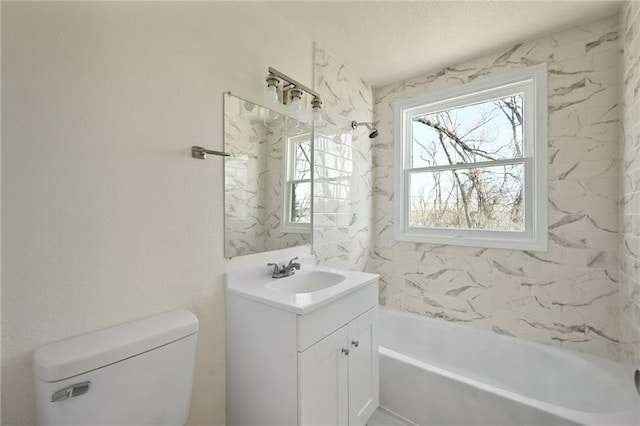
pixel 76 355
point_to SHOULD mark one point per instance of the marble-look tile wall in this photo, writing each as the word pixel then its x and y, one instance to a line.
pixel 630 186
pixel 567 296
pixel 342 166
pixel 253 183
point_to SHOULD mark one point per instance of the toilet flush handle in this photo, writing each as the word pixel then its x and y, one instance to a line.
pixel 70 391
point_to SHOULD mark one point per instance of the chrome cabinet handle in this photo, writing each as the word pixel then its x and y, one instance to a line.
pixel 345 351
pixel 355 343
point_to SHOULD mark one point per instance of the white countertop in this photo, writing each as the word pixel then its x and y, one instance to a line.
pixel 252 282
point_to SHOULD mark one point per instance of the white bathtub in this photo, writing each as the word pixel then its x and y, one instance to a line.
pixel 434 372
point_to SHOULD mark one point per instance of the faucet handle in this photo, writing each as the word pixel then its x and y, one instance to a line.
pixel 276 268
pixel 291 266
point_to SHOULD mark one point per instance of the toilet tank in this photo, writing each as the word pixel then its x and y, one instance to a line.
pixel 137 373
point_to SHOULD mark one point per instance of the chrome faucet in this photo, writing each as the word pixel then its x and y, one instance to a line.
pixel 285 271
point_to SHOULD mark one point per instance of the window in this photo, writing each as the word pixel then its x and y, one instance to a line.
pixel 297 184
pixel 471 164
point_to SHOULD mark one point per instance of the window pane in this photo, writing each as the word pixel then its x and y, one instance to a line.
pixel 491 130
pixel 489 198
pixel 301 202
pixel 302 160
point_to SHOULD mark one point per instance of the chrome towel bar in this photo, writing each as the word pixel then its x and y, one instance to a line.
pixel 201 153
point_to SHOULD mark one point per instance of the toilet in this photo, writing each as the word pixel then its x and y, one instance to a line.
pixel 137 373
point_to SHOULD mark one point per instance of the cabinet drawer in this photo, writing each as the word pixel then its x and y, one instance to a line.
pixel 318 324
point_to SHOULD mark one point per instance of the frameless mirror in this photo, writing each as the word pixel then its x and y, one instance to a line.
pixel 267 179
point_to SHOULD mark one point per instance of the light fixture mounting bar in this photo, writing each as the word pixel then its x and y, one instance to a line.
pixel 290 80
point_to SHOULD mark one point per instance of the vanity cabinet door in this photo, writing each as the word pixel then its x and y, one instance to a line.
pixel 364 393
pixel 322 381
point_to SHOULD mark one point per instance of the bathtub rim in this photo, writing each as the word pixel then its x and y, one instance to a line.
pixel 609 366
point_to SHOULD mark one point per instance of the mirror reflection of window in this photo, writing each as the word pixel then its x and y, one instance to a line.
pixel 298 183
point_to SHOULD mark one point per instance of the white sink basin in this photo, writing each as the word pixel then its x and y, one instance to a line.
pixel 308 289
pixel 306 281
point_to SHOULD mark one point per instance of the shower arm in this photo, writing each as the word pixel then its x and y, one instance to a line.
pixel 354 125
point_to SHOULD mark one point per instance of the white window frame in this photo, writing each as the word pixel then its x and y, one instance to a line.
pixel 532 81
pixel 289 171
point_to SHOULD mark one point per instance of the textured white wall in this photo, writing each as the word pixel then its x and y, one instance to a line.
pixel 630 185
pixel 567 296
pixel 107 218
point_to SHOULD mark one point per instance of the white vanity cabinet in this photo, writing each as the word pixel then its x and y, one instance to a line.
pixel 305 367
pixel 338 376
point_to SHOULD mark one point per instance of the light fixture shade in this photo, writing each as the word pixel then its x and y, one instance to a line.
pixel 270 95
pixel 296 105
pixel 316 115
pixel 295 100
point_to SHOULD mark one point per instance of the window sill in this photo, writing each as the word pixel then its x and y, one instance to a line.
pixel 296 229
pixel 507 243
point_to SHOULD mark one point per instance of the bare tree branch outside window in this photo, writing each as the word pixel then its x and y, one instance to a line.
pixel 301 182
pixel 449 189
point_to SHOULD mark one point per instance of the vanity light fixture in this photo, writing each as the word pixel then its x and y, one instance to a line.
pixel 290 93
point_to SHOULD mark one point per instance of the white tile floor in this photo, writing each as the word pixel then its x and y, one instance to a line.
pixel 380 418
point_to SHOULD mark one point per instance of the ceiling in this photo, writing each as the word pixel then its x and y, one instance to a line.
pixel 389 41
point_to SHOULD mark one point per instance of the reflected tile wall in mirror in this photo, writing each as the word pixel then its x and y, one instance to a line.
pixel 267 179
